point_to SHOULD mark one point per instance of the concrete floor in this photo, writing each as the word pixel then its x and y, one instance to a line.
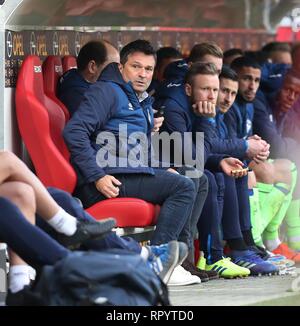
pixel 259 291
pixel 266 290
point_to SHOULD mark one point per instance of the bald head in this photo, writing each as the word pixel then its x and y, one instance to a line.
pixel 112 54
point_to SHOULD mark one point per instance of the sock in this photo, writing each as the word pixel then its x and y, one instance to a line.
pixel 236 244
pixel 248 238
pixel 272 230
pixel 63 222
pixel 145 253
pixel 216 255
pixel 272 244
pixel 201 264
pixel 270 199
pixel 18 277
pixel 255 215
pixel 292 218
pixel 293 224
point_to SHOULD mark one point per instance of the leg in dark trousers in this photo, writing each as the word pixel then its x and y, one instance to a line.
pixel 173 192
pixel 32 244
pixel 209 225
pixel 201 186
pixel 231 220
pixel 244 209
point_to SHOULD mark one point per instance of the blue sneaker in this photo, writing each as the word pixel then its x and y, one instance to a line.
pixel 250 260
pixel 167 255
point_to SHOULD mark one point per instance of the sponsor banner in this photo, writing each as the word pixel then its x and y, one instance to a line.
pixel 19 44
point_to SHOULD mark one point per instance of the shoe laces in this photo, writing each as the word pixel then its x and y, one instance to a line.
pixel 225 259
pixel 158 250
pixel 250 256
pixel 156 264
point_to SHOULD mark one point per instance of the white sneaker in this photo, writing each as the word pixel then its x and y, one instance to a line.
pixel 180 276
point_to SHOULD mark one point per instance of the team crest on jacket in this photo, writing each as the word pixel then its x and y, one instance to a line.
pixel 130 107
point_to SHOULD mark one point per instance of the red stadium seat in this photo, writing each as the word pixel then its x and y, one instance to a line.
pixel 52 71
pixel 68 62
pixel 41 123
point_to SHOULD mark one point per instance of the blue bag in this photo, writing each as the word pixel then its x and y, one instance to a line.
pixel 113 277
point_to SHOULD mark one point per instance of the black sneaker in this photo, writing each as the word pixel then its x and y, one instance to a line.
pixel 261 252
pixel 212 275
pixel 26 297
pixel 86 230
pixel 17 298
pixel 188 266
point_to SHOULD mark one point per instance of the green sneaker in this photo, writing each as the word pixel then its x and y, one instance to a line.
pixel 225 268
pixel 201 263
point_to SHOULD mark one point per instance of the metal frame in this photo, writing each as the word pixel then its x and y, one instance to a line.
pixel 6 11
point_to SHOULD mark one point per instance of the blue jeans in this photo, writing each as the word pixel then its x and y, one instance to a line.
pixel 173 192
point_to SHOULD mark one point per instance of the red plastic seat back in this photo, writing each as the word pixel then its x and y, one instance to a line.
pixel 41 122
pixel 69 62
pixel 52 71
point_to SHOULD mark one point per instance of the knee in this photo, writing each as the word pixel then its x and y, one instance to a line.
pixel 283 168
pixel 187 185
pixel 283 165
pixel 8 160
pixel 264 173
pixel 22 195
pixel 7 156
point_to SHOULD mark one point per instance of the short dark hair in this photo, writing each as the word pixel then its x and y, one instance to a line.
pixel 259 56
pixel 233 51
pixel 276 46
pixel 200 68
pixel 166 52
pixel 291 73
pixel 143 46
pixel 228 73
pixel 244 61
pixel 93 50
pixel 206 48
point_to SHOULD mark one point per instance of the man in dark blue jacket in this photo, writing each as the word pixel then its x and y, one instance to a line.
pixel 201 86
pixel 93 57
pixel 179 117
pixel 117 110
pixel 276 121
pixel 280 175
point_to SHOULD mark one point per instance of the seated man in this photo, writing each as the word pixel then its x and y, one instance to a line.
pixel 116 103
pixel 23 195
pixel 93 57
pixel 280 173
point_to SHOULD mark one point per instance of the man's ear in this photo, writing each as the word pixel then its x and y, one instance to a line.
pixel 120 66
pixel 91 66
pixel 188 89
